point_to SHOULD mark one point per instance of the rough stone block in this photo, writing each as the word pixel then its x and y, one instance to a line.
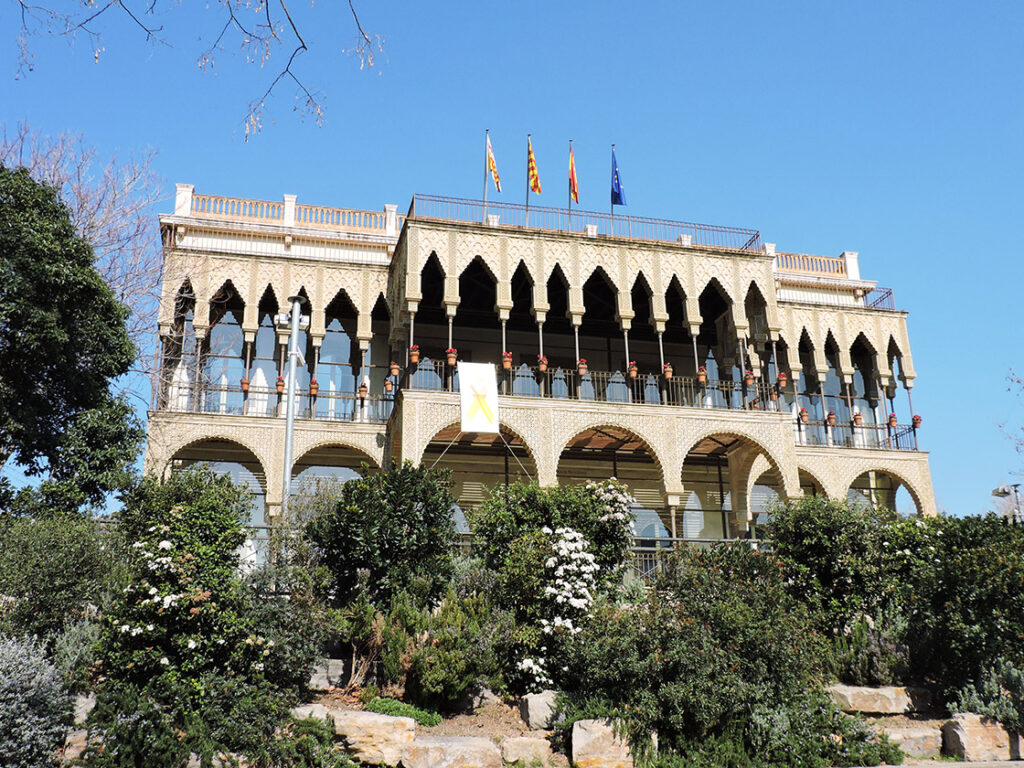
pixel 328 674
pixel 526 749
pixel 368 736
pixel 83 706
pixel 887 700
pixel 975 738
pixel 595 745
pixel 451 752
pixel 915 740
pixel 538 709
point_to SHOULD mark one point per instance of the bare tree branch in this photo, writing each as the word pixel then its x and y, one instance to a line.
pixel 250 22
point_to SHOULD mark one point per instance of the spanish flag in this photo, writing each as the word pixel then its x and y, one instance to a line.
pixel 492 166
pixel 574 187
pixel 531 167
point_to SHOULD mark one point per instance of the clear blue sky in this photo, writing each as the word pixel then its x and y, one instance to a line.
pixel 892 129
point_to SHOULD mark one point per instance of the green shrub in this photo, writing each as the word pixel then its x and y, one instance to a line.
pixel 52 569
pixel 836 557
pixel 35 708
pixel 871 652
pixel 309 744
pixel 185 666
pixel 962 596
pixel 717 638
pixel 74 653
pixel 460 653
pixel 397 527
pixel 398 708
pixel 997 693
pixel 599 511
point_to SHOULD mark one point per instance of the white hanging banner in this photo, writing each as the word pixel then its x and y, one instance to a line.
pixel 479 389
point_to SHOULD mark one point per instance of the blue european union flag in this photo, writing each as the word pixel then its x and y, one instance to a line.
pixel 618 196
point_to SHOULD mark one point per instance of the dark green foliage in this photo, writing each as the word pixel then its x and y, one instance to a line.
pixel 397 708
pixel 963 597
pixel 718 638
pixel 309 744
pixel 871 651
pixel 834 555
pixel 51 570
pixel 192 657
pixel 463 646
pixel 511 512
pixel 62 340
pixel 949 589
pixel 35 708
pixel 998 693
pixel 397 526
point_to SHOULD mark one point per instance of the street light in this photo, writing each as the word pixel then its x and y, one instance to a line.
pixel 1007 490
pixel 296 321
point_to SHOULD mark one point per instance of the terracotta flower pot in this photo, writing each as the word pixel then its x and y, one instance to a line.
pixel 506 363
pixel 395 369
pixel 804 417
pixel 916 421
pixel 414 355
pixel 702 376
pixel 633 372
pixel 749 380
pixel 774 394
pixel 388 385
pixel 280 385
pixel 831 418
pixel 858 420
pixel 363 390
pixel 313 388
pixel 893 421
pixel 582 370
pixel 542 367
pixel 668 372
pixel 245 385
pixel 782 379
pixel 452 358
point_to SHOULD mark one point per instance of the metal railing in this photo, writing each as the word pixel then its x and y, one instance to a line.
pixel 269 403
pixel 564 220
pixel 604 386
pixel 880 298
pixel 873 436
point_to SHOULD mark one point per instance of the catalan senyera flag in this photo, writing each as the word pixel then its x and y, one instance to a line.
pixel 574 187
pixel 531 167
pixel 493 166
pixel 478 388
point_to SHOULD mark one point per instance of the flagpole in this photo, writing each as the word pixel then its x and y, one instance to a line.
pixel 527 222
pixel 487 135
pixel 611 204
pixel 570 184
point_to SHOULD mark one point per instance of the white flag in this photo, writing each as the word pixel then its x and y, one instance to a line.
pixel 479 389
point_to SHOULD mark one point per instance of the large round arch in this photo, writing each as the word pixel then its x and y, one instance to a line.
pixel 885 488
pixel 329 461
pixel 479 461
pixel 231 458
pixel 728 479
pixel 601 452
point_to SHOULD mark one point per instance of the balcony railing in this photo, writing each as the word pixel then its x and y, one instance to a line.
pixel 873 436
pixel 604 387
pixel 268 403
pixel 563 220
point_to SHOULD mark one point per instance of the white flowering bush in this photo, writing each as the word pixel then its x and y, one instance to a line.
pixel 184 664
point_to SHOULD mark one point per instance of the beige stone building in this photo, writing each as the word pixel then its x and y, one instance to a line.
pixel 757 373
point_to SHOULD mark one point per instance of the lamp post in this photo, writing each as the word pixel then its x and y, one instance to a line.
pixel 296 321
pixel 1007 490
